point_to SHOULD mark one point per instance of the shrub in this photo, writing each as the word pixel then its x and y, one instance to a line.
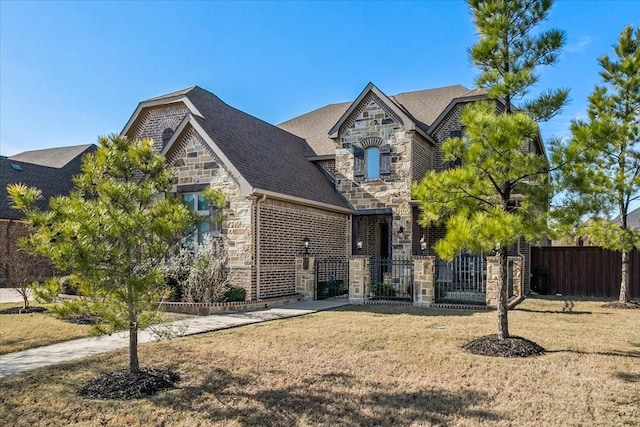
pixel 381 290
pixel 202 273
pixel 235 293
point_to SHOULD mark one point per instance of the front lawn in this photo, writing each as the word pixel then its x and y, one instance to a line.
pixel 28 330
pixel 368 365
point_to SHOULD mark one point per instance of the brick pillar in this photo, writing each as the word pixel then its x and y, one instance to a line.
pixel 358 278
pixel 306 276
pixel 424 280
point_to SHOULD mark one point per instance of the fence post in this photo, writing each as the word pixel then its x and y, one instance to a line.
pixel 517 275
pixel 424 280
pixel 358 278
pixel 306 276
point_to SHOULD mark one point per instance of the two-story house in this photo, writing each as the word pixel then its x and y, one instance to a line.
pixel 338 177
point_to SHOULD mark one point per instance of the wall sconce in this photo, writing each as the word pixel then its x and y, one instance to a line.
pixel 423 245
pixel 359 245
pixel 306 245
pixel 401 230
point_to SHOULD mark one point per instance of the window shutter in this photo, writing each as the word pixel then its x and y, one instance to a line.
pixel 385 159
pixel 358 162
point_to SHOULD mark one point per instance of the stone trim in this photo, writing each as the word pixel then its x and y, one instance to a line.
pixel 368 99
pixel 205 309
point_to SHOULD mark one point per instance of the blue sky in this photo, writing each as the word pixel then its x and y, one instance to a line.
pixel 70 71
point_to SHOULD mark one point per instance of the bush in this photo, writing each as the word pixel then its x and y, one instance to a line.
pixel 235 293
pixel 203 275
pixel 381 290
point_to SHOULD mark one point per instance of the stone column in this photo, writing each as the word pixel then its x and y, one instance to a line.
pixel 359 277
pixel 306 276
pixel 424 280
pixel 493 276
pixel 517 275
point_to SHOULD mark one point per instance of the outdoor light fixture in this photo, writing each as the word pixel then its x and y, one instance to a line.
pixel 359 246
pixel 423 245
pixel 401 230
pixel 306 245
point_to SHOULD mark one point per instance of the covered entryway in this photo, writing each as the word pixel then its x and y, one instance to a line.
pixel 372 233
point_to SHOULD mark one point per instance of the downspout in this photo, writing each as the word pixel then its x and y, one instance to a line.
pixel 262 199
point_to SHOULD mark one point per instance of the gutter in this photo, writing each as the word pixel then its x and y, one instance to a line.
pixel 299 200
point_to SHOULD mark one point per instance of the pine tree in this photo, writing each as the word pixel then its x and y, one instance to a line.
pixel 600 170
pixel 477 201
pixel 112 233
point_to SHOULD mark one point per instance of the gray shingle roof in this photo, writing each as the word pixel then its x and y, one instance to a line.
pixel 51 157
pixel 52 181
pixel 268 157
pixel 424 106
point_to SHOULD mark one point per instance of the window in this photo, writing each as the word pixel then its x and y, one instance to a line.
pixel 372 162
pixel 208 226
pixel 372 159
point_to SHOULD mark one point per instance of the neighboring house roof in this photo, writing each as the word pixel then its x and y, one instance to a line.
pixel 52 181
pixel 51 157
pixel 267 158
pixel 423 107
pixel 633 219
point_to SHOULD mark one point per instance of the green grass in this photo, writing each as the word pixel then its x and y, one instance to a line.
pixel 371 365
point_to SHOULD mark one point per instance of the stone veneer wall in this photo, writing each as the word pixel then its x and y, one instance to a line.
pixel 374 119
pixel 283 226
pixel 155 121
pixel 195 163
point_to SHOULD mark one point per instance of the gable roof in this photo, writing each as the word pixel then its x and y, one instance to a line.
pixel 422 107
pixel 633 219
pixel 52 181
pixel 52 157
pixel 268 158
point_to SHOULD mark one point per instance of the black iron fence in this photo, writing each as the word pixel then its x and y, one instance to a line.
pixel 390 280
pixel 332 278
pixel 461 281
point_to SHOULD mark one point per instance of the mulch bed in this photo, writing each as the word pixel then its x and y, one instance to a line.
pixel 124 385
pixel 82 319
pixel 20 310
pixel 622 305
pixel 493 345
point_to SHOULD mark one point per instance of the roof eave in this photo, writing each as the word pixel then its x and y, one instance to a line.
pixel 158 102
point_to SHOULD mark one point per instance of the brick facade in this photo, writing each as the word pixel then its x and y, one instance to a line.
pixel 283 226
pixel 154 122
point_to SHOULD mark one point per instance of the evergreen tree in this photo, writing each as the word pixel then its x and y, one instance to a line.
pixel 112 233
pixel 477 201
pixel 600 170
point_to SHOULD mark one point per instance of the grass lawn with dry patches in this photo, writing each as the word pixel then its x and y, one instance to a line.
pixel 28 330
pixel 367 365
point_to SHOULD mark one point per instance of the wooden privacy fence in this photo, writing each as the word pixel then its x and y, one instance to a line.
pixel 586 271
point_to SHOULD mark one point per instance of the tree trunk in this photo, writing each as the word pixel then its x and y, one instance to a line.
pixel 503 324
pixel 134 365
pixel 624 283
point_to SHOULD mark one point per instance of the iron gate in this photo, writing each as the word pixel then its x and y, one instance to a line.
pixel 463 280
pixel 390 280
pixel 332 278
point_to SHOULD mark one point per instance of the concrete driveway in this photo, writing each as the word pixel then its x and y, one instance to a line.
pixel 10 295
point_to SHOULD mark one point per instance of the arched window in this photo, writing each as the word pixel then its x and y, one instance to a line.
pixel 166 136
pixel 372 162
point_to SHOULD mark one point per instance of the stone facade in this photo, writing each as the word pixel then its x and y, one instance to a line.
pixel 306 276
pixel 424 280
pixel 374 119
pixel 493 274
pixel 194 163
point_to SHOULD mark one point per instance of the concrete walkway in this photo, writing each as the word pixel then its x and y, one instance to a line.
pixel 34 358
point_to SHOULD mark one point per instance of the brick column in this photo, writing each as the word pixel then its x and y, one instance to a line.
pixel 306 276
pixel 424 280
pixel 358 278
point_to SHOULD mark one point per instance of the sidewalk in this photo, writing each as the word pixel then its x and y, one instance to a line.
pixel 34 358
